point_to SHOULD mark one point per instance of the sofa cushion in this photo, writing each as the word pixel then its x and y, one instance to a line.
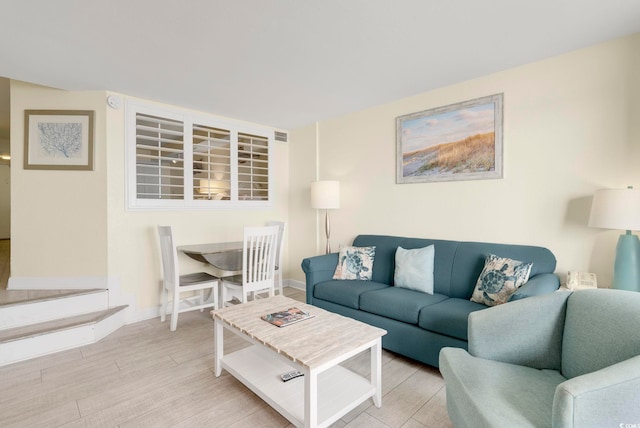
pixel 355 263
pixel 345 293
pixel 449 317
pixel 500 278
pixel 398 303
pixel 414 269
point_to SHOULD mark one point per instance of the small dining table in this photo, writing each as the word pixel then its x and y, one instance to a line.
pixel 224 257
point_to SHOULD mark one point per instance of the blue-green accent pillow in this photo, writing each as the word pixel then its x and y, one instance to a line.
pixel 414 269
pixel 355 263
pixel 500 278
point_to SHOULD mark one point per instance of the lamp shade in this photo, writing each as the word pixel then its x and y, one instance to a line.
pixel 325 194
pixel 616 209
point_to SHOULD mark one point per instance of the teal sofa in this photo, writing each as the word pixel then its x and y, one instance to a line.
pixel 561 360
pixel 418 324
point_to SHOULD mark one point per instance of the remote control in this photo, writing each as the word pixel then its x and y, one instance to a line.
pixel 291 375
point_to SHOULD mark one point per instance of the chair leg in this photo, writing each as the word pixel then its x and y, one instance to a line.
pixel 215 292
pixel 279 278
pixel 163 306
pixel 224 296
pixel 174 313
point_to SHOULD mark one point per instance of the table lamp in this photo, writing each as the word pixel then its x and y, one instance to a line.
pixel 325 195
pixel 620 209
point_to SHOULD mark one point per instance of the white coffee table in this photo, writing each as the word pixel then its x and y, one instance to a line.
pixel 315 346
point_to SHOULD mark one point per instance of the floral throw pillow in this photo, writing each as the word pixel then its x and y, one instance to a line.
pixel 355 263
pixel 500 278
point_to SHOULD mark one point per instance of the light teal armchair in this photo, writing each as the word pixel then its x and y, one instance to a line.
pixel 559 360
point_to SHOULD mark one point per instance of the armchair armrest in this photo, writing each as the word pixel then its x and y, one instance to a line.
pixel 526 332
pixel 606 397
pixel 543 283
pixel 318 269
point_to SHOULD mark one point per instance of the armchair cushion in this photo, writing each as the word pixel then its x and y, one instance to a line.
pixel 484 391
pixel 526 332
pixel 598 319
pixel 509 380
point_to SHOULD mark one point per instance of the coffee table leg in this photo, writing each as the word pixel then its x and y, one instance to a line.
pixel 376 372
pixel 218 345
pixel 310 398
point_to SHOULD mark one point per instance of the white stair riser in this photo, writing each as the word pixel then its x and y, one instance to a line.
pixel 59 340
pixel 36 346
pixel 46 310
pixel 108 325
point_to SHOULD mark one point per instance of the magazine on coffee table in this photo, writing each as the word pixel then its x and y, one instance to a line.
pixel 288 317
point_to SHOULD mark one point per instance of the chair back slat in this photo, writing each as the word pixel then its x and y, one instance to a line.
pixel 169 258
pixel 280 241
pixel 258 258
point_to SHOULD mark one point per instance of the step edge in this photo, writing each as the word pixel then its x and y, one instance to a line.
pixel 69 293
pixel 105 314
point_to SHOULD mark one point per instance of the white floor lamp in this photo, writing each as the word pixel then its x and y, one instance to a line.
pixel 620 209
pixel 325 195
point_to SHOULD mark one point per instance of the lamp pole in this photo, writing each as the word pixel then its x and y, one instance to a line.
pixel 326 195
pixel 327 230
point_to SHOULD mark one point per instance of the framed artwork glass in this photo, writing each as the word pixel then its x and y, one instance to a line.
pixel 58 139
pixel 461 141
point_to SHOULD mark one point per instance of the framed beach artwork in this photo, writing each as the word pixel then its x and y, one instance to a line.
pixel 58 139
pixel 460 141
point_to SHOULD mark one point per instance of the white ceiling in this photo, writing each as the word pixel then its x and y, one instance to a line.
pixel 288 63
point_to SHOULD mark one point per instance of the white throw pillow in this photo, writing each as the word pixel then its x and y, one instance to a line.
pixel 414 269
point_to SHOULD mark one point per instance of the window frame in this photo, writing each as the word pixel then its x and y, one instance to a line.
pixel 189 119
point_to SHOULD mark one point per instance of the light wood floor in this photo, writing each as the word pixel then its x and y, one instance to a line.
pixel 5 253
pixel 143 375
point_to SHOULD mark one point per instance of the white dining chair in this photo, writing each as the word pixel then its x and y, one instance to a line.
pixel 280 249
pixel 176 284
pixel 258 265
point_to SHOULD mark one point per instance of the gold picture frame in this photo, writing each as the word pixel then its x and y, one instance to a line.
pixel 58 139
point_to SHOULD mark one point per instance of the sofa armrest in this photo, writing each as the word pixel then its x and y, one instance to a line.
pixel 543 283
pixel 318 269
pixel 606 397
pixel 525 332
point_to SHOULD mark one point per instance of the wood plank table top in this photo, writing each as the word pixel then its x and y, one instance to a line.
pixel 312 342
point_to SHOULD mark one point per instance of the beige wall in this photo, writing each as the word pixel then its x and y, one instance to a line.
pixel 5 191
pixel 58 218
pixel 570 127
pixel 133 253
pixel 75 225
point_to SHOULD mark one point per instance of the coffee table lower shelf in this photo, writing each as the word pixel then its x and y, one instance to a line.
pixel 339 390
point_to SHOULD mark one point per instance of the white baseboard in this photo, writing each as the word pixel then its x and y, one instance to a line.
pixel 136 315
pixel 299 285
pixel 57 283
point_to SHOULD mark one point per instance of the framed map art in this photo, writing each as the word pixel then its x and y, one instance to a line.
pixel 58 139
